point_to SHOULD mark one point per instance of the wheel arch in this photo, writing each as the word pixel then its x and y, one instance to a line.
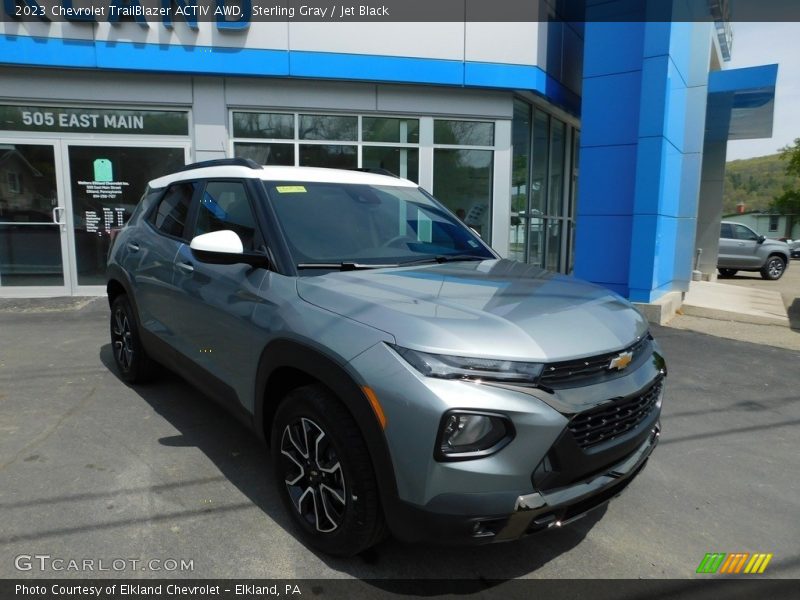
pixel 780 254
pixel 287 364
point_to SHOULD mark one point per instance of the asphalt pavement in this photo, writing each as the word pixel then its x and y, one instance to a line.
pixel 91 468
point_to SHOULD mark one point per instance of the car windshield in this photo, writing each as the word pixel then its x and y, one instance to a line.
pixel 335 224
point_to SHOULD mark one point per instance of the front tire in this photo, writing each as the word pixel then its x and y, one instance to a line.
pixel 133 363
pixel 774 267
pixel 324 473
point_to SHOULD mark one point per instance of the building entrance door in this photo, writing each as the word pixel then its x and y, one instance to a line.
pixel 60 202
pixel 34 246
pixel 106 181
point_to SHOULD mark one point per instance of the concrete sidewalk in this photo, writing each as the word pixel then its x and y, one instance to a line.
pixel 745 308
pixel 730 302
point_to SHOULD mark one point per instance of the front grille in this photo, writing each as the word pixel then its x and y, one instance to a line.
pixel 583 371
pixel 612 420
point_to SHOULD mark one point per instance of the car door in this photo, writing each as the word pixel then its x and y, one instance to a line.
pixel 150 255
pixel 727 244
pixel 217 302
pixel 745 251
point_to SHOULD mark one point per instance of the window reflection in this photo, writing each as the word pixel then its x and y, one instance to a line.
pixel 30 243
pixel 327 127
pixel 462 181
pixel 263 125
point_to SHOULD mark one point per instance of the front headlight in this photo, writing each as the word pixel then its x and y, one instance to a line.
pixel 444 366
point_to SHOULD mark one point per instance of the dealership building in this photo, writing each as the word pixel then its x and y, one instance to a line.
pixel 595 148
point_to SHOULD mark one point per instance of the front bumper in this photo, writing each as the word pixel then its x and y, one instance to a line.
pixel 531 512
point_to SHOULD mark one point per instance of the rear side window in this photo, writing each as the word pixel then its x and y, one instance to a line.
pixel 169 217
pixel 726 231
pixel 225 206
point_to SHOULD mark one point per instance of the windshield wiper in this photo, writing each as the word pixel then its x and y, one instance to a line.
pixel 443 258
pixel 344 266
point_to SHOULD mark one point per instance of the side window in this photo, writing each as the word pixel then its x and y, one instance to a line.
pixel 224 205
pixel 726 232
pixel 170 215
pixel 744 233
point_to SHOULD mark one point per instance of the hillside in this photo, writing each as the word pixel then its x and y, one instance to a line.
pixel 755 181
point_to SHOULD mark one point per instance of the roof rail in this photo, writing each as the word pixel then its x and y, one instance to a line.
pixel 221 162
pixel 377 171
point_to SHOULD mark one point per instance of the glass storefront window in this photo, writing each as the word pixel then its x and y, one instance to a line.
pixel 266 153
pixel 390 143
pixel 462 180
pixel 538 196
pixel 273 126
pixel 463 133
pixel 520 180
pixel 555 191
pixel 403 162
pixel 543 188
pixel 107 182
pixel 383 129
pixel 30 243
pixel 328 155
pixel 328 128
pixel 553 240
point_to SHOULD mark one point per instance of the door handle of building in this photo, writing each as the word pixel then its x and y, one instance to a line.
pixel 133 246
pixel 186 267
pixel 58 216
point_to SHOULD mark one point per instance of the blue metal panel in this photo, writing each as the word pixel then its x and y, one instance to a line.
pixel 610 170
pixel 603 243
pixel 741 103
pixel 695 119
pixel 621 43
pixel 644 240
pixel 647 109
pixel 656 39
pixel 654 86
pixel 608 104
pixel 214 60
pixel 734 80
pixel 376 68
pixel 25 50
pixel 206 60
pixel 680 50
pixel 505 76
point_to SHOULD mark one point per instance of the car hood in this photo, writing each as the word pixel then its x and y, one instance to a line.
pixel 492 309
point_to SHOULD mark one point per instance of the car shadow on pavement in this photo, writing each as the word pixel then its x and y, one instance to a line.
pixel 794 314
pixel 391 565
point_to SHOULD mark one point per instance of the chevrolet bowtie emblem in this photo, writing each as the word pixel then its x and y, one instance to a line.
pixel 622 360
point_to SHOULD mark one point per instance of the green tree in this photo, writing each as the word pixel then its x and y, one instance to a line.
pixel 788 202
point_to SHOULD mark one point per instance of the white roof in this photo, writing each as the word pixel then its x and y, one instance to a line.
pixel 272 173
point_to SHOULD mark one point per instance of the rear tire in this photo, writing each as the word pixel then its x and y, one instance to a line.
pixel 727 273
pixel 324 473
pixel 133 363
pixel 774 267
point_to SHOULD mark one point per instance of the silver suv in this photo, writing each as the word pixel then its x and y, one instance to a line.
pixel 405 377
pixel 742 249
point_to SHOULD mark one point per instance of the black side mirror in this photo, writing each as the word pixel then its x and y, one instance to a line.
pixel 761 239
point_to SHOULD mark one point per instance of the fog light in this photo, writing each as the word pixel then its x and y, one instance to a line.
pixel 472 435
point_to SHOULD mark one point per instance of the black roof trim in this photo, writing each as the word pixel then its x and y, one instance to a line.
pixel 377 171
pixel 221 162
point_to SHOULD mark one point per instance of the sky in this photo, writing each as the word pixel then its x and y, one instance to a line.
pixel 761 44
